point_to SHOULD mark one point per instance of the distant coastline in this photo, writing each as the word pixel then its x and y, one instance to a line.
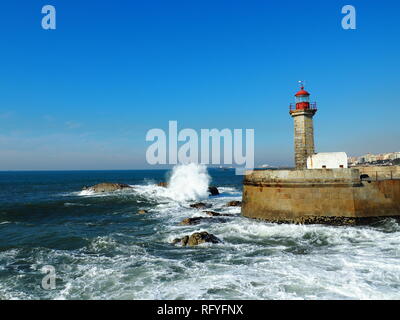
pixel 383 159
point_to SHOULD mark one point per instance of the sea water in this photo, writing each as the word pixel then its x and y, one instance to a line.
pixel 101 248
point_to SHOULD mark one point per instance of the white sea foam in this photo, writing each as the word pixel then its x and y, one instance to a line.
pixel 256 260
pixel 188 182
pixel 86 192
pixel 353 264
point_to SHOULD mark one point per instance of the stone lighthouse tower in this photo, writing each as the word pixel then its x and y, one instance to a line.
pixel 303 112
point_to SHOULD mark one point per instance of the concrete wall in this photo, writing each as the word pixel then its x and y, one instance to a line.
pixel 378 198
pixel 380 173
pixel 317 196
pixel 331 160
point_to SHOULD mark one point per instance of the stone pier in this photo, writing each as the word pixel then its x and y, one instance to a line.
pixel 332 196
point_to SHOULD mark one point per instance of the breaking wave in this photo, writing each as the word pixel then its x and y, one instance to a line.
pixel 188 182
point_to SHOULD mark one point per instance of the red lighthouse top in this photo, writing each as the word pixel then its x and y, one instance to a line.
pixel 302 92
pixel 303 100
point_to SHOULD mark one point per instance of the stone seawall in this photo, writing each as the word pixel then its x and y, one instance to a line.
pixel 380 173
pixel 334 196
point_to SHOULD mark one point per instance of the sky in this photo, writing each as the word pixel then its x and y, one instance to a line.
pixel 84 96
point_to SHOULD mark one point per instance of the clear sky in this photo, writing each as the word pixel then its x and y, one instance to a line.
pixel 83 96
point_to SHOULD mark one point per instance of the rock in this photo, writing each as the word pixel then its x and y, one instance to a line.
pixel 197 220
pixel 213 191
pixel 108 187
pixel 185 240
pixel 197 238
pixel 192 221
pixel 202 237
pixel 216 214
pixel 234 204
pixel 200 205
pixel 142 211
pixel 162 184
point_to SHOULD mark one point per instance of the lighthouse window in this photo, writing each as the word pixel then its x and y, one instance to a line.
pixel 302 99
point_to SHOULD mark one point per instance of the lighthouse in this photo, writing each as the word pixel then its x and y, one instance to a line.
pixel 302 112
pixel 322 189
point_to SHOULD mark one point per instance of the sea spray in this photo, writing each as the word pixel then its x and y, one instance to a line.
pixel 188 182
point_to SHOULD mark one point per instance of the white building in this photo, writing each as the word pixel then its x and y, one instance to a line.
pixel 327 160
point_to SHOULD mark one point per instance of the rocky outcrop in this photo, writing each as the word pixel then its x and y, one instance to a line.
pixel 162 184
pixel 107 187
pixel 216 214
pixel 202 237
pixel 234 204
pixel 200 205
pixel 183 241
pixel 213 191
pixel 197 220
pixel 142 211
pixel 197 238
pixel 193 221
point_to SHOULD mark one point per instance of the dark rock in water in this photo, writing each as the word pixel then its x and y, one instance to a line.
pixel 162 184
pixel 108 187
pixel 234 204
pixel 197 238
pixel 213 191
pixel 197 220
pixel 200 205
pixel 216 214
pixel 192 221
pixel 202 237
pixel 185 240
pixel 142 211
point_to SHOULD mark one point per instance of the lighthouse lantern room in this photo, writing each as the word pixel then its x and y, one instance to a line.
pixel 303 100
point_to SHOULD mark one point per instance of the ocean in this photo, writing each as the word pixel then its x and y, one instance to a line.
pixel 101 248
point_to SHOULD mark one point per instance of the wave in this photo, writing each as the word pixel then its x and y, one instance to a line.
pixel 130 256
pixel 347 267
pixel 188 182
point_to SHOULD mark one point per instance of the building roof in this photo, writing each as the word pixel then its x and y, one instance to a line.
pixel 302 92
pixel 329 154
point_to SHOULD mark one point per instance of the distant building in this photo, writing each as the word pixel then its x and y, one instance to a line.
pixel 384 158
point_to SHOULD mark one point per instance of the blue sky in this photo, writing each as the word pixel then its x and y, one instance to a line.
pixel 83 96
